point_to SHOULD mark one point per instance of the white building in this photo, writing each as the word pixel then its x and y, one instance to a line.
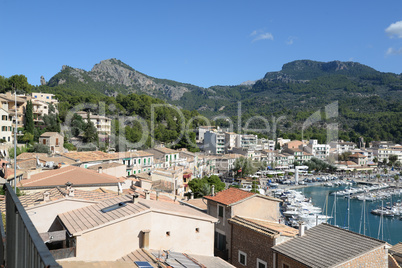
pixel 246 141
pixel 230 141
pixel 45 97
pixel 342 146
pixel 6 133
pixel 320 151
pixel 103 124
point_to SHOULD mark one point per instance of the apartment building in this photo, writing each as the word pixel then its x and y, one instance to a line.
pixel 45 97
pixel 214 142
pixel 103 124
pixel 320 151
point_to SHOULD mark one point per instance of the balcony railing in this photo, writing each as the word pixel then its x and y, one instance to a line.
pixel 25 247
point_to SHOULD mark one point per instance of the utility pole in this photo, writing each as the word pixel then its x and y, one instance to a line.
pixel 15 142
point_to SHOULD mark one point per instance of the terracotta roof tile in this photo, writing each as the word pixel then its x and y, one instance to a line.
pixel 230 196
pixel 73 174
pixel 59 193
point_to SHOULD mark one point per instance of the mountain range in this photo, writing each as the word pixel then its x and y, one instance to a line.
pixel 369 100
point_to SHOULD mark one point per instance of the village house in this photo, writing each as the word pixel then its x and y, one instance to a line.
pixel 78 177
pixel 326 245
pixel 252 240
pixel 100 232
pixel 232 202
pixel 53 140
pixel 359 159
pixel 168 157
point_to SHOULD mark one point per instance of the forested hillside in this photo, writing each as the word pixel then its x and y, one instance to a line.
pixel 370 102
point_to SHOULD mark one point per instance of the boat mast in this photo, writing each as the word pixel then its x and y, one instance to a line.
pixel 349 212
pixel 364 214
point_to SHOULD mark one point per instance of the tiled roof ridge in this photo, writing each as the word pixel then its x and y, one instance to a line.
pixel 243 221
pixel 194 260
pixel 61 190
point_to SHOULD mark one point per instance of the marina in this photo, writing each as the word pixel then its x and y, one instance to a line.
pixel 353 214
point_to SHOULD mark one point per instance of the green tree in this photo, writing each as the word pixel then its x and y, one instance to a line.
pixel 202 187
pixel 41 148
pixel 90 133
pixel 77 125
pixel 254 186
pixel 29 121
pixel 244 167
pixel 392 159
pixel 20 82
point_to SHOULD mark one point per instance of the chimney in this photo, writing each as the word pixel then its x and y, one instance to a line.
pixel 68 185
pixel 46 196
pixel 145 239
pixel 157 195
pixel 100 170
pixel 213 190
pixel 135 198
pixel 147 195
pixel 301 228
pixel 71 192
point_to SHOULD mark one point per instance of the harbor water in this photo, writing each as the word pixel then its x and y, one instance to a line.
pixel 389 231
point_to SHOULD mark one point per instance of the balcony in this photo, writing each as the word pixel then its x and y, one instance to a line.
pixel 24 246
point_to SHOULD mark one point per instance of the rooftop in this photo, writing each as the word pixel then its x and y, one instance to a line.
pixel 266 227
pixel 80 220
pixel 357 155
pixel 230 196
pixel 396 249
pixel 76 175
pixel 91 156
pixel 105 166
pixel 313 248
pixel 58 193
pixel 197 203
pixel 50 134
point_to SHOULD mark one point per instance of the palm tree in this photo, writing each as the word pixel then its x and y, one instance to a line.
pixel 378 176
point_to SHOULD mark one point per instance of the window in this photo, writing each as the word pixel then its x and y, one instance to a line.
pixel 261 264
pixel 139 161
pixel 44 141
pixel 284 265
pixel 57 141
pixel 220 211
pixel 197 230
pixel 242 258
pixel 168 233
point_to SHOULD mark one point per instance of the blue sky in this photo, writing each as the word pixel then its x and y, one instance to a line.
pixel 201 42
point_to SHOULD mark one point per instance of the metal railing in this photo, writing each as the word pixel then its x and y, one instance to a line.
pixel 24 246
